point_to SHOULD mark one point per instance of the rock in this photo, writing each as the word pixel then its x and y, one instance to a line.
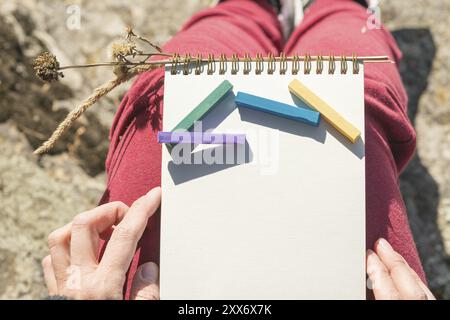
pixel 36 199
pixel 39 195
pixel 425 42
pixel 37 108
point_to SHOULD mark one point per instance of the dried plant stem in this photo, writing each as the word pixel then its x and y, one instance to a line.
pixel 157 48
pixel 129 64
pixel 77 112
pixel 48 68
pixel 374 59
pixel 98 93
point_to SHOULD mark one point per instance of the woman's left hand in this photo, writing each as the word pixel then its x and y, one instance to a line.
pixel 391 276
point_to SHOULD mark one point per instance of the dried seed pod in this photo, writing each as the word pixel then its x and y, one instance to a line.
pixel 120 70
pixel 47 67
pixel 121 50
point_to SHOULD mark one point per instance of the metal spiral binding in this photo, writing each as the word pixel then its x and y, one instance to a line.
pixel 319 67
pixel 223 64
pixel 307 64
pixel 332 65
pixel 344 66
pixel 198 64
pixel 247 64
pixel 259 64
pixel 271 64
pixel 186 64
pixel 175 62
pixel 355 64
pixel 234 64
pixel 282 62
pixel 295 64
pixel 211 64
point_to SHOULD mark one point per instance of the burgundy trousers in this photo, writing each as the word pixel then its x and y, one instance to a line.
pixel 243 26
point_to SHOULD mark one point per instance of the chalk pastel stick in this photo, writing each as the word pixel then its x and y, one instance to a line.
pixel 200 138
pixel 276 108
pixel 205 106
pixel 202 109
pixel 328 113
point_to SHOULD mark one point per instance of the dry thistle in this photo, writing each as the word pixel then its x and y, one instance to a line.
pixel 130 35
pixel 47 67
pixel 122 50
pixel 129 32
pixel 120 70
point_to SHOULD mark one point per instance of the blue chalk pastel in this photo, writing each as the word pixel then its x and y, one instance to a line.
pixel 276 108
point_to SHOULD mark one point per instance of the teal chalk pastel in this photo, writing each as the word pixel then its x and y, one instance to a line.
pixel 203 108
pixel 276 108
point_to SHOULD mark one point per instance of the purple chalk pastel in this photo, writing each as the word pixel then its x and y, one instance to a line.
pixel 200 138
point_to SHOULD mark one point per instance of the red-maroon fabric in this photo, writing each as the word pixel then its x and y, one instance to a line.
pixel 243 26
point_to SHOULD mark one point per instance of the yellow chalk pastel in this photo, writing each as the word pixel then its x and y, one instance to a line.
pixel 328 113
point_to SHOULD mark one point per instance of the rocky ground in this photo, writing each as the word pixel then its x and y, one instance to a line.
pixel 39 194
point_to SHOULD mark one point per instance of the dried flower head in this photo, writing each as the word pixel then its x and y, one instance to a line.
pixel 129 32
pixel 120 70
pixel 47 67
pixel 121 50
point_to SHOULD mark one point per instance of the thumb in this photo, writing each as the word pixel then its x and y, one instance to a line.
pixel 146 282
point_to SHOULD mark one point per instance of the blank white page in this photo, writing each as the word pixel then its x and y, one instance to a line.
pixel 287 224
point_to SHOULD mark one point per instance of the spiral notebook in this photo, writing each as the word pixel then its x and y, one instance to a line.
pixel 285 222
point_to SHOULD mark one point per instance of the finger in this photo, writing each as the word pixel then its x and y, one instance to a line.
pixel 86 230
pixel 382 283
pixel 427 291
pixel 401 273
pixel 59 245
pixel 121 248
pixel 146 282
pixel 49 276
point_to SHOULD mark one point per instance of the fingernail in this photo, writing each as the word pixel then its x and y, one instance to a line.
pixel 371 269
pixel 384 245
pixel 149 272
pixel 370 259
pixel 153 191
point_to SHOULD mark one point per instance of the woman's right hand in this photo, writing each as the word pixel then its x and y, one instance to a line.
pixel 391 276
